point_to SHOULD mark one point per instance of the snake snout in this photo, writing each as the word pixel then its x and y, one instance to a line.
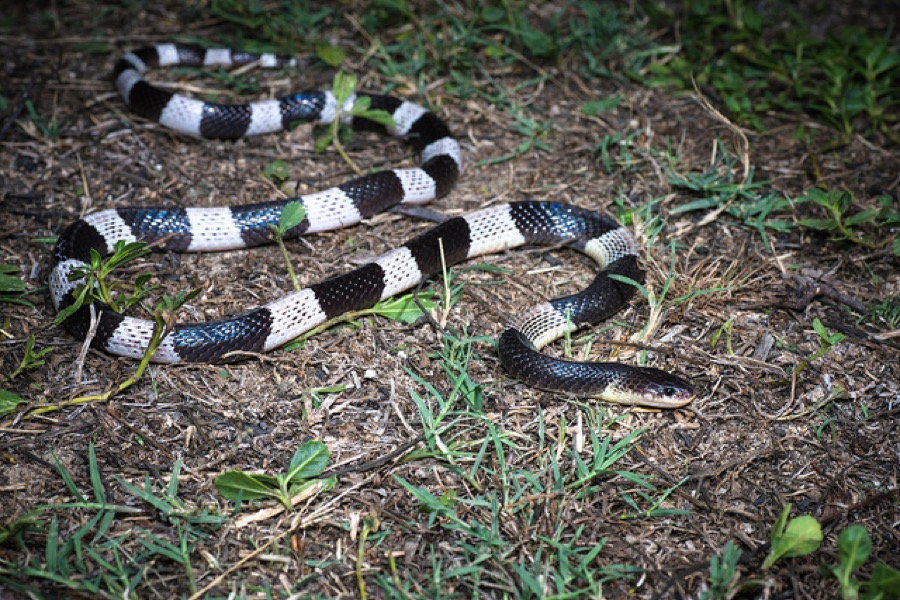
pixel 661 389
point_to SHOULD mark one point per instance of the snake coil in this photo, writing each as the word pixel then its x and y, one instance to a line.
pixel 493 229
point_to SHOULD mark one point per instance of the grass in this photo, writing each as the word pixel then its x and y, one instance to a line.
pixel 97 558
pixel 846 79
pixel 458 436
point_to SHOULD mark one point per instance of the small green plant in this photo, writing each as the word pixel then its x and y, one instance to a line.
pixel 9 401
pixel 277 171
pixel 30 360
pixel 723 576
pixel 795 537
pixel 286 25
pixel 802 536
pixel 620 153
pixel 407 308
pixel 188 522
pixel 291 216
pixel 344 87
pixel 854 547
pixel 727 187
pixel 827 341
pixel 533 131
pixel 886 312
pixel 302 475
pixel 96 284
pixel 845 227
pixel 727 329
pixel 47 129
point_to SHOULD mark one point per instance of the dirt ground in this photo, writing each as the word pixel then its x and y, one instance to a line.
pixel 755 438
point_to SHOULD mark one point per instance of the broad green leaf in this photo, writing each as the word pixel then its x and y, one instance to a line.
pixel 308 461
pixel 404 308
pixel 820 329
pixel 378 116
pixel 235 484
pixel 323 485
pixel 292 215
pixel 592 108
pixel 344 85
pixel 538 42
pixel 816 195
pixel 332 56
pixel 885 579
pixel 863 216
pixel 323 141
pixel 277 171
pixel 854 547
pixel 9 400
pixel 802 536
pixel 8 281
pixel 819 224
pixel 361 105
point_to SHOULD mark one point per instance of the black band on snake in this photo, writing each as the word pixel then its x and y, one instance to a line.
pixel 494 229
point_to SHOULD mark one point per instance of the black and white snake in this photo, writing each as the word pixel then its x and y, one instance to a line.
pixel 492 229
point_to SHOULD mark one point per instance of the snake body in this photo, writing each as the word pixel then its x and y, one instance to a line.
pixel 493 229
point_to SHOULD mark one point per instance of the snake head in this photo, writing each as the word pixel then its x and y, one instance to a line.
pixel 660 389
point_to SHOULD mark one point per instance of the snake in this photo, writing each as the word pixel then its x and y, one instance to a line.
pixel 495 228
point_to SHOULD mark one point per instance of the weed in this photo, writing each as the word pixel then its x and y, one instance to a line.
pixel 9 401
pixel 533 132
pixel 30 360
pixel 91 560
pixel 48 129
pixel 369 525
pixel 846 227
pixel 842 79
pixel 801 536
pixel 854 547
pixel 798 537
pixel 164 319
pixel 750 203
pixel 344 87
pixel 291 216
pixel 726 329
pixel 619 152
pixel 723 574
pixel 407 308
pixel 277 171
pixel 887 312
pixel 301 476
pixel 96 284
pixel 827 341
pixel 286 25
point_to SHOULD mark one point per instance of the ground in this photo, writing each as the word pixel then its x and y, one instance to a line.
pixel 451 476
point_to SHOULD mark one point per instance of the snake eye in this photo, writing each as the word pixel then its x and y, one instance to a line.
pixel 669 391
